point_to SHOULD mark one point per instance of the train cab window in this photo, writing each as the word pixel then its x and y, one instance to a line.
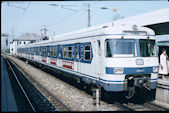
pixel 87 52
pixel 120 48
pixel 70 52
pixel 147 48
pixel 64 52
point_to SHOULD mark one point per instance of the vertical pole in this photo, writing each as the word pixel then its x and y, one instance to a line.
pixel 45 30
pixel 96 96
pixel 88 15
pixel 41 33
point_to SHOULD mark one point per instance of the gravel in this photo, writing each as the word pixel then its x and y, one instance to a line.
pixel 161 104
pixel 76 99
pixel 40 103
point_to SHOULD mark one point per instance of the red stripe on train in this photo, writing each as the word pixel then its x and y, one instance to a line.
pixel 53 63
pixel 43 60
pixel 66 66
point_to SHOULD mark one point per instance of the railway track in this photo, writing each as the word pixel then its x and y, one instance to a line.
pixel 155 107
pixel 123 107
pixel 147 106
pixel 58 104
pixel 22 89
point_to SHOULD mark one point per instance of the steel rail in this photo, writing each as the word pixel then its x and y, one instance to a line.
pixel 158 107
pixel 123 107
pixel 66 108
pixel 21 87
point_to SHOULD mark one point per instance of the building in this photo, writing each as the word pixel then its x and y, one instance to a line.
pixel 25 38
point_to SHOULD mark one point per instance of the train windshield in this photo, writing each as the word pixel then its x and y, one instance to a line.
pixel 147 48
pixel 120 47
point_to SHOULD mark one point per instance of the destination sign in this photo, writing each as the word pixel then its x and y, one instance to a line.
pixel 134 32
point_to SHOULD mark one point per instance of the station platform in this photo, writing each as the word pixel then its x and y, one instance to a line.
pixel 162 92
pixel 164 82
pixel 8 103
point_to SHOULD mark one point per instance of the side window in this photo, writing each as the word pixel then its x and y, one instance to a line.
pixel 87 52
pixel 37 49
pixel 52 51
pixel 32 51
pixel 99 47
pixel 44 51
pixel 70 55
pixel 60 50
pixel 64 52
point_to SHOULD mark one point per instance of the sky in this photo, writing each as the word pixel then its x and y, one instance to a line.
pixel 66 16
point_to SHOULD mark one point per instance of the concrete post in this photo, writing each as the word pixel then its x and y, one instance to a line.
pixel 96 96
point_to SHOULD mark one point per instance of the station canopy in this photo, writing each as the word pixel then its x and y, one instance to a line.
pixel 157 20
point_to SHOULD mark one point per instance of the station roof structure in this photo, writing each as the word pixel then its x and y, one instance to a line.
pixel 157 20
pixel 28 37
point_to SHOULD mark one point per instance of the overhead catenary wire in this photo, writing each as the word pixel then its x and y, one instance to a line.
pixel 15 26
pixel 62 19
pixel 65 6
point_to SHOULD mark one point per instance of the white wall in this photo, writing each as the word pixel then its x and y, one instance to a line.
pixel 15 44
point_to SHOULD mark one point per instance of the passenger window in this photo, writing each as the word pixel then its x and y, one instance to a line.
pixel 99 47
pixel 70 55
pixel 87 52
pixel 64 52
pixel 50 51
pixel 54 51
pixel 60 50
pixel 44 51
pixel 37 51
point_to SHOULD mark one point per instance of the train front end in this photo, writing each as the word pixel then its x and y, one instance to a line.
pixel 131 62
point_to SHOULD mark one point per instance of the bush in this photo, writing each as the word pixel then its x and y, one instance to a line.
pixel 7 51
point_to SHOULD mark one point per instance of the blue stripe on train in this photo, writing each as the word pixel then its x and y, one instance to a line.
pixel 143 70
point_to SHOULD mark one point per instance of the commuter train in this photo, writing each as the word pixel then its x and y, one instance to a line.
pixel 114 58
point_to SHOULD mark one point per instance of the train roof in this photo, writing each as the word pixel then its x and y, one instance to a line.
pixel 98 30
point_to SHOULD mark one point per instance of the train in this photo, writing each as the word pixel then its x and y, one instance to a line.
pixel 113 58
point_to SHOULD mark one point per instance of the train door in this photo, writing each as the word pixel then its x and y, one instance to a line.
pixel 78 56
pixel 98 63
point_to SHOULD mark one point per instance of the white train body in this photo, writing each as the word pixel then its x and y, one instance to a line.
pixel 104 56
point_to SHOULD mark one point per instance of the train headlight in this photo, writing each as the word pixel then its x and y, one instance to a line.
pixel 118 70
pixel 155 69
